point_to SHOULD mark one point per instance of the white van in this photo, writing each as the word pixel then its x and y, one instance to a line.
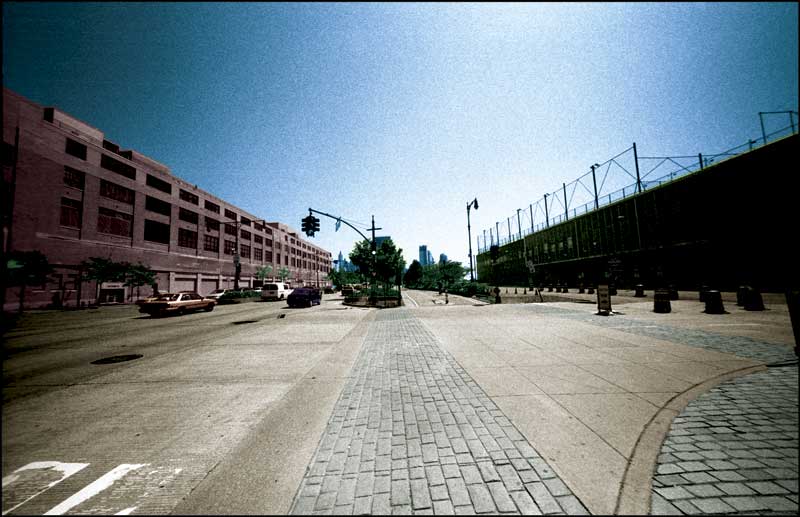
pixel 275 291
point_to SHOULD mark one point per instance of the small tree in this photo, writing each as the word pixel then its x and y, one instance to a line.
pixel 414 274
pixel 263 272
pixel 103 270
pixel 137 275
pixel 284 274
pixel 24 268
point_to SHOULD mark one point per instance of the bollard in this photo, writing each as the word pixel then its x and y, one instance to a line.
pixel 515 290
pixel 703 290
pixel 564 288
pixel 525 291
pixel 713 301
pixel 673 293
pixel 612 290
pixel 741 292
pixel 661 302
pixel 639 291
pixel 550 288
pixel 581 289
pixel 752 300
pixel 590 290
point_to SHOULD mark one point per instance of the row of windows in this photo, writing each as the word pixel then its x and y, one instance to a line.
pixel 76 179
pixel 118 223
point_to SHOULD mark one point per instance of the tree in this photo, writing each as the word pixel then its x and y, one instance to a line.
pixel 263 272
pixel 284 273
pixel 414 274
pixel 103 270
pixel 385 264
pixel 24 268
pixel 137 275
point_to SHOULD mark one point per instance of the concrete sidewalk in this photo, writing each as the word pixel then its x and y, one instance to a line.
pixel 548 408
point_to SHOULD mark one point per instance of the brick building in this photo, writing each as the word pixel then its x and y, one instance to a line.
pixel 71 194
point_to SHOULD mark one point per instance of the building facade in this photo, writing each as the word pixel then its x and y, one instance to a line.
pixel 71 194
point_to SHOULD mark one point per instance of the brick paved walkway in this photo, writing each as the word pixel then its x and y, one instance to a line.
pixel 413 433
pixel 733 449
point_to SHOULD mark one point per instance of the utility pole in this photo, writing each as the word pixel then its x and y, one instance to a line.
pixel 469 237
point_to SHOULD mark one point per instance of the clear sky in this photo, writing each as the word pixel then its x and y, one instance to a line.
pixel 405 111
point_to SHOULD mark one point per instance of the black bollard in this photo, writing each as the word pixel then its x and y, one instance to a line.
pixel 590 290
pixel 661 302
pixel 741 292
pixel 713 301
pixel 639 291
pixel 752 300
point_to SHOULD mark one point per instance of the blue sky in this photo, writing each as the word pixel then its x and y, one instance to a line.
pixel 405 111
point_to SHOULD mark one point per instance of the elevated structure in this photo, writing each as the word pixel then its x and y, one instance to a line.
pixel 728 224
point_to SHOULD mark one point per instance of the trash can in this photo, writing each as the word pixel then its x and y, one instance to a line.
pixel 713 299
pixel 661 302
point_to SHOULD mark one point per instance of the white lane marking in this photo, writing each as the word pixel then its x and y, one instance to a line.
pixel 126 511
pixel 94 488
pixel 412 300
pixel 66 469
pixel 733 325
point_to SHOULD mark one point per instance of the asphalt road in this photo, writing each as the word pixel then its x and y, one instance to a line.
pixel 141 435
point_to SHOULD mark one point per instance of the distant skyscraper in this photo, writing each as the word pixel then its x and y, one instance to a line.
pixel 339 263
pixel 379 240
pixel 442 257
pixel 430 258
pixel 423 254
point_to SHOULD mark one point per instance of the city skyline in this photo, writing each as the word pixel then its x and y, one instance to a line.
pixel 404 111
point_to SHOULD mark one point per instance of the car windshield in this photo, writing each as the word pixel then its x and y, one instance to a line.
pixel 217 291
pixel 272 287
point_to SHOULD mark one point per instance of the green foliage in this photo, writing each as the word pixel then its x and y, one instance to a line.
pixel 284 273
pixel 445 275
pixel 386 264
pixel 104 270
pixel 414 274
pixel 25 268
pixel 231 295
pixel 137 275
pixel 263 272
pixel 340 278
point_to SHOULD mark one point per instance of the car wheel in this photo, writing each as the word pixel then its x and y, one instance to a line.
pixel 181 311
pixel 210 307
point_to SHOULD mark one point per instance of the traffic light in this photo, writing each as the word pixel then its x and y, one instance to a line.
pixel 304 226
pixel 315 227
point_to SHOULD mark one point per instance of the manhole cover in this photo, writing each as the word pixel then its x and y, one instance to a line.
pixel 117 359
pixel 244 321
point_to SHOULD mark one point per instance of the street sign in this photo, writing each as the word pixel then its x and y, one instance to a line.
pixel 603 299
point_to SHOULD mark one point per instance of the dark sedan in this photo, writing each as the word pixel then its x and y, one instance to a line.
pixel 304 297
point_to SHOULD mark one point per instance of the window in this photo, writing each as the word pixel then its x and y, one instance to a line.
pixel 159 184
pixel 230 247
pixel 116 192
pixel 212 225
pixel 278 257
pixel 74 178
pixel 71 210
pixel 293 262
pixel 117 166
pixel 245 235
pixel 156 232
pixel 286 260
pixel 268 231
pixel 76 149
pixel 258 226
pixel 157 206
pixel 211 243
pixel 113 222
pixel 187 215
pixel 258 254
pixel 245 221
pixel 244 251
pixel 231 215
pixel 189 197
pixel 268 256
pixel 187 238
pixel 230 229
pixel 268 242
pixel 258 239
pixel 213 207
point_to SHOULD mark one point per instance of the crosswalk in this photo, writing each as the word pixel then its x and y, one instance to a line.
pixel 39 487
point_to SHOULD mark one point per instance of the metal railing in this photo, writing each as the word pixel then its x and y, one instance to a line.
pixel 613 186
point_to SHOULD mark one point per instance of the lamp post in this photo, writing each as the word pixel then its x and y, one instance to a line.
pixel 469 237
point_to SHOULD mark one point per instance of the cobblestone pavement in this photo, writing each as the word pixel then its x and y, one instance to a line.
pixel 734 449
pixel 413 433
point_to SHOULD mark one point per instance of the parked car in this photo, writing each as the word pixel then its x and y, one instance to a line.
pixel 348 290
pixel 177 303
pixel 304 297
pixel 216 293
pixel 277 291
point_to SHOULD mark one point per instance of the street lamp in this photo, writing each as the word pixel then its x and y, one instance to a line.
pixel 472 203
